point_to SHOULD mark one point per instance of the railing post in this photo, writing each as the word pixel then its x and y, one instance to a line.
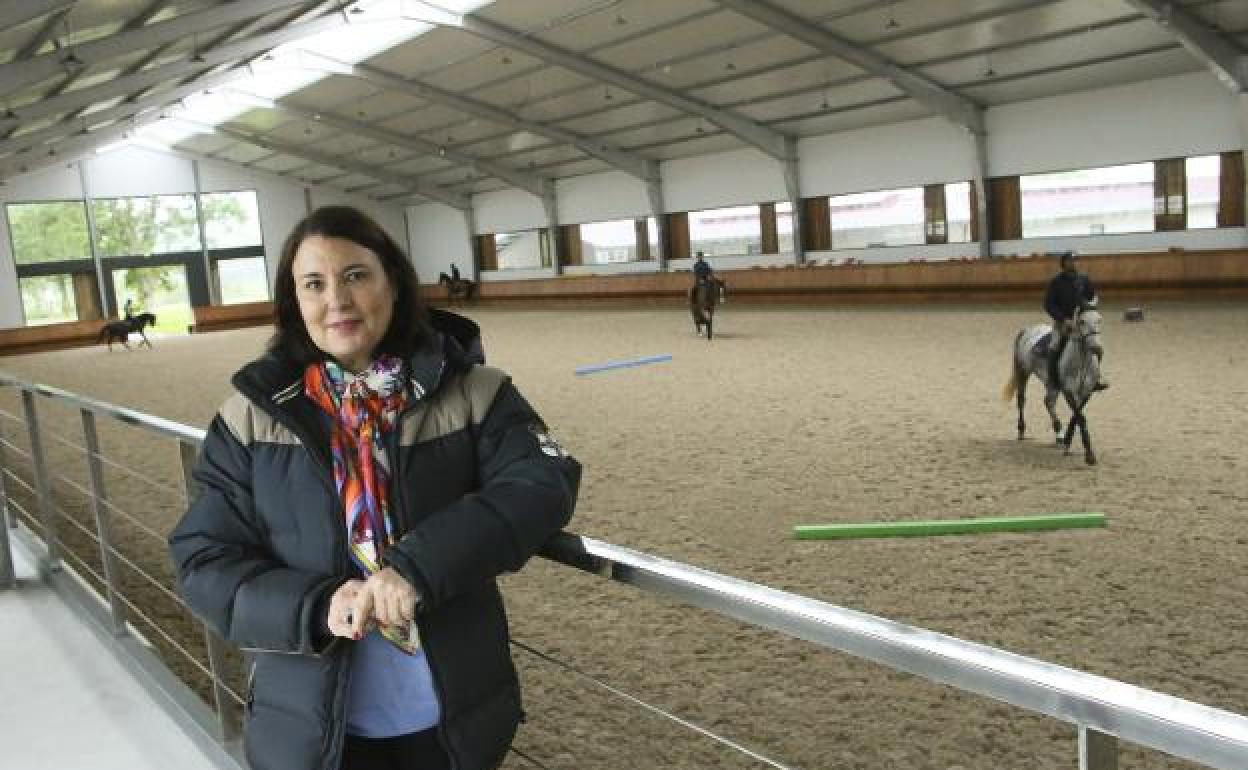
pixel 52 561
pixel 8 577
pixel 103 522
pixel 1097 750
pixel 187 453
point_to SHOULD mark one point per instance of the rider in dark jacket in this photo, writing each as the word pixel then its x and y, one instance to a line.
pixel 478 487
pixel 1066 292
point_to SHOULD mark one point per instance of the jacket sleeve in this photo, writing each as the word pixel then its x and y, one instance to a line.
pixel 527 493
pixel 1087 290
pixel 227 574
pixel 1050 301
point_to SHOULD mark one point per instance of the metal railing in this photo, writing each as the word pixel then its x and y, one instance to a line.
pixel 1104 710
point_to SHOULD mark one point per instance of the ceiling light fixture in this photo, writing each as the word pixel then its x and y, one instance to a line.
pixel 506 59
pixel 892 16
pixel 620 20
pixel 606 93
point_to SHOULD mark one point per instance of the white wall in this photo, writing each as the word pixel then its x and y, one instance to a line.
pixel 906 154
pixel 1165 118
pixel 601 198
pixel 506 211
pixel 132 170
pixel 439 236
pixel 613 268
pixel 723 179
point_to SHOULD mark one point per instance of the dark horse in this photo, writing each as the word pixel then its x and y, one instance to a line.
pixel 457 287
pixel 120 331
pixel 702 299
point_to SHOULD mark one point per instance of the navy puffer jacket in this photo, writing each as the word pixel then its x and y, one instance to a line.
pixel 479 487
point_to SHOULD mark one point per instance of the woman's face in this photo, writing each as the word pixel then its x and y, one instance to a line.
pixel 345 298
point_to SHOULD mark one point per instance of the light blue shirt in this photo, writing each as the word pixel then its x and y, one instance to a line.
pixel 390 692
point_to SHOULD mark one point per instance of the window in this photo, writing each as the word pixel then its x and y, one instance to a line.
pixel 48 232
pixel 140 227
pixel 242 280
pixel 652 232
pixel 48 299
pixel 524 250
pixel 727 231
pixel 605 243
pixel 958 212
pixel 784 226
pixel 1203 183
pixel 1114 199
pixel 882 218
pixel 231 220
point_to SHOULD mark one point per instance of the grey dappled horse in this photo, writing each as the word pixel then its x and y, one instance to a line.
pixel 702 299
pixel 1078 372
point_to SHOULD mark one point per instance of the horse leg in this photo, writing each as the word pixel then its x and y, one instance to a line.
pixel 1050 403
pixel 710 320
pixel 1089 456
pixel 145 341
pixel 1075 417
pixel 1021 376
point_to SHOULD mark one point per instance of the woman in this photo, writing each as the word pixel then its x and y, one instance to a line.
pixel 360 493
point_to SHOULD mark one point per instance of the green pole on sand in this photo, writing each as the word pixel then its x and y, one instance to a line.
pixel 948 526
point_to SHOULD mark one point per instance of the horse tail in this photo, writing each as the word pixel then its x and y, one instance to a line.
pixel 1011 385
pixel 103 333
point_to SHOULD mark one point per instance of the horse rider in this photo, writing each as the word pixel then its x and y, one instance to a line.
pixel 703 274
pixel 1067 291
pixel 129 308
pixel 455 273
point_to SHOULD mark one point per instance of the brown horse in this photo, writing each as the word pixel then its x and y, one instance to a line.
pixel 702 299
pixel 457 287
pixel 120 331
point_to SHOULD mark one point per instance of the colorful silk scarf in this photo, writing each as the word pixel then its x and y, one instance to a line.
pixel 365 408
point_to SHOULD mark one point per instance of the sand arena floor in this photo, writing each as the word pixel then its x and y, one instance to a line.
pixel 806 415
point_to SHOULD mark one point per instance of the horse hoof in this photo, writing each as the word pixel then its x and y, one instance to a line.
pixel 1090 459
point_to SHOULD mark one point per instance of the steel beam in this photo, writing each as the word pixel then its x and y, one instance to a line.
pixel 20 73
pixel 422 188
pixel 932 95
pixel 1222 55
pixel 766 139
pixel 635 165
pixel 531 183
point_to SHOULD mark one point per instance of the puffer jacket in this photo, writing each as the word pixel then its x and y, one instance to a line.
pixel 479 486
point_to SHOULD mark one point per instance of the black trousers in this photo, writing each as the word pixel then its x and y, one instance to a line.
pixel 414 751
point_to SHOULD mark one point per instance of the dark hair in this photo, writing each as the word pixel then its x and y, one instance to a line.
pixel 409 328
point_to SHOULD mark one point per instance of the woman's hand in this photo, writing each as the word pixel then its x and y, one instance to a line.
pixel 342 609
pixel 385 597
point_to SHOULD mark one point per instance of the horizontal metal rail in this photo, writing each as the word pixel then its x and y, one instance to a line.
pixel 1105 710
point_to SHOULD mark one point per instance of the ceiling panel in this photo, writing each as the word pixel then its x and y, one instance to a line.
pixel 346 145
pixel 430 53
pixel 332 92
pixel 1059 54
pixel 1008 31
pixel 828 123
pixel 421 165
pixel 1128 70
pixel 423 122
pixel 263 120
pixel 779 81
pixel 381 106
pixel 697 145
pixel 576 168
pixel 522 15
pixel 664 132
pixel 281 164
pixel 535 159
pixel 467 74
pixel 810 101
pixel 717 31
pixel 596 100
pixel 512 142
pixel 615 23
pixel 300 131
pixel 610 119
pixel 205 144
pixel 242 153
pixel 532 88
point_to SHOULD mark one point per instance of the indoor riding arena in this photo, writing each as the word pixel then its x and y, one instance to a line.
pixel 882 189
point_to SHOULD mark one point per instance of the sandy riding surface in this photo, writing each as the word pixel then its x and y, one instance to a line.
pixel 809 415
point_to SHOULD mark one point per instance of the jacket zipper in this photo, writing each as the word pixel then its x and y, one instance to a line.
pixel 397 489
